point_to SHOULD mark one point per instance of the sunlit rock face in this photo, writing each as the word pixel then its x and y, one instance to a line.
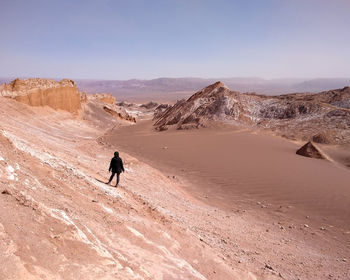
pixel 62 95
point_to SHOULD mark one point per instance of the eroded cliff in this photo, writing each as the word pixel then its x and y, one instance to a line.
pixel 62 95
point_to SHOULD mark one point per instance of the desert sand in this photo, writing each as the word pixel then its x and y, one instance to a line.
pixel 243 171
pixel 228 164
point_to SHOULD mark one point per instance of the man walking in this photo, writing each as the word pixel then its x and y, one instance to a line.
pixel 116 167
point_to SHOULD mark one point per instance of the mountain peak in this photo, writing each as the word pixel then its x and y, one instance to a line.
pixel 216 85
pixel 219 84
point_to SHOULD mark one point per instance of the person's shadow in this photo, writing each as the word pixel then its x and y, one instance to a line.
pixel 98 180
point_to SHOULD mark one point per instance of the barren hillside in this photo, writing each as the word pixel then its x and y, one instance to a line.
pixel 60 221
pixel 322 117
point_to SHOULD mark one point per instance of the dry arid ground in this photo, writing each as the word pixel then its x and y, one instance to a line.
pixel 184 210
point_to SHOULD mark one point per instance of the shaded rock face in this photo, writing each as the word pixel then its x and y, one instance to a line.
pixel 158 111
pixel 288 111
pixel 149 105
pixel 309 150
pixel 125 104
pixel 62 95
pixel 296 116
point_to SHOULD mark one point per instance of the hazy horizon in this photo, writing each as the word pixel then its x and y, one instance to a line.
pixel 139 39
pixel 10 78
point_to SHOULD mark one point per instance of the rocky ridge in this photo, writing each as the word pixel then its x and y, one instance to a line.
pixel 19 86
pixel 121 115
pixel 296 116
pixel 62 95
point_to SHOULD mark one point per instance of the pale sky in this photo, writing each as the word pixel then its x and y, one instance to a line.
pixel 115 39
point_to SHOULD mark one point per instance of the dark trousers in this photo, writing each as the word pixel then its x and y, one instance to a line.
pixel 111 178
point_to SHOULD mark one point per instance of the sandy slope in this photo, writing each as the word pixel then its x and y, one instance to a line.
pixel 58 221
pixel 226 163
pixel 236 170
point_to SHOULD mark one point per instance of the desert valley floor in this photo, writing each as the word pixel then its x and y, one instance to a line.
pixel 220 202
pixel 226 165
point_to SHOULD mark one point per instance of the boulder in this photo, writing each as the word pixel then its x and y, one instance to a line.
pixel 310 150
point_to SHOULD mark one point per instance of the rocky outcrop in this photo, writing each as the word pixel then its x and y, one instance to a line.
pixel 159 110
pixel 121 114
pixel 296 116
pixel 309 150
pixel 62 95
pixel 149 105
pixel 125 104
pixel 207 104
pixel 102 97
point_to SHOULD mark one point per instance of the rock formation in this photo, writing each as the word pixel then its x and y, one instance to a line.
pixel 296 116
pixel 159 110
pixel 204 105
pixel 125 104
pixel 309 150
pixel 66 96
pixel 103 97
pixel 62 95
pixel 149 105
pixel 102 105
pixel 121 114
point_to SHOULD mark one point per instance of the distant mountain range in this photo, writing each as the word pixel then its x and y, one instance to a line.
pixel 178 88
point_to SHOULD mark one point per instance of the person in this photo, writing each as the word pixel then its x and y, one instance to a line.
pixel 116 167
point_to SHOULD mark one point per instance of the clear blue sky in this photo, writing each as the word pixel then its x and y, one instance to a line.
pixel 122 39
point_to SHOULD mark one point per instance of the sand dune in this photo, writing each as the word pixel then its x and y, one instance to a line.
pixel 228 164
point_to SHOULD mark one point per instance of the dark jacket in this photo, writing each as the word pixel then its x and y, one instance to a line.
pixel 116 165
